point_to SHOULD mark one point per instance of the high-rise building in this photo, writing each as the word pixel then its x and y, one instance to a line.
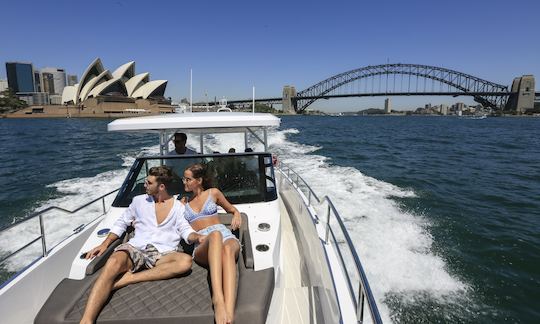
pixel 71 80
pixel 58 80
pixel 38 81
pixel 443 109
pixel 20 76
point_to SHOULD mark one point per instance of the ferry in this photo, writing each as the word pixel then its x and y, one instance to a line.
pixel 297 264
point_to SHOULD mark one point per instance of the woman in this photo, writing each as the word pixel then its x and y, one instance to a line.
pixel 220 249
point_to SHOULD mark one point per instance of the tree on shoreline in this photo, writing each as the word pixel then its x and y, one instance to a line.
pixel 9 102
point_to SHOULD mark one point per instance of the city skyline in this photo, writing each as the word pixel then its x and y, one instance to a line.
pixel 232 47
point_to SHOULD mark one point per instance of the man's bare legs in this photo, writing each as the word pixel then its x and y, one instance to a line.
pixel 118 263
pixel 229 255
pixel 166 267
pixel 210 253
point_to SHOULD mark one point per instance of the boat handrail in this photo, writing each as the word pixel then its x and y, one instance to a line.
pixel 42 237
pixel 364 293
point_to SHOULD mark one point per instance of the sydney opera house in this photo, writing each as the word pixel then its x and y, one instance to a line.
pixel 96 81
pixel 101 93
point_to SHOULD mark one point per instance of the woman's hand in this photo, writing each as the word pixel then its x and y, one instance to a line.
pixel 236 221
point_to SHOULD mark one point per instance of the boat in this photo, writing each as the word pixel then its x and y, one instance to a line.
pixel 476 117
pixel 297 265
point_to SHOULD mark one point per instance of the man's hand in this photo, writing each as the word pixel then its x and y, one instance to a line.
pixel 201 238
pixel 97 251
pixel 196 238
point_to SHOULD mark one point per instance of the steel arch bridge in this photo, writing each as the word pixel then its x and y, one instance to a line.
pixel 403 79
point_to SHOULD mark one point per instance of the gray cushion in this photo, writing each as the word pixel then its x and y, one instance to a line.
pixel 185 299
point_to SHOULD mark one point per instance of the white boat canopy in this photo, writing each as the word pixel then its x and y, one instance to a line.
pixel 198 123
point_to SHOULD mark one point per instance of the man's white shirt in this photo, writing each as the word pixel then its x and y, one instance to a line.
pixel 142 214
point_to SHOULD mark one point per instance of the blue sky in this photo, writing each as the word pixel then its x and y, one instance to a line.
pixel 233 45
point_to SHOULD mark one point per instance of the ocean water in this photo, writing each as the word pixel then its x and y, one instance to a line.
pixel 444 212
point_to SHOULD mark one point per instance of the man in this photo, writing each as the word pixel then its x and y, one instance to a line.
pixel 180 148
pixel 159 223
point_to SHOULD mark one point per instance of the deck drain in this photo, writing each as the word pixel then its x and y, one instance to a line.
pixel 262 247
pixel 264 227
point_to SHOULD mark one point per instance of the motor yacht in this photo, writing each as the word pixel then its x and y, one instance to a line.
pixel 297 264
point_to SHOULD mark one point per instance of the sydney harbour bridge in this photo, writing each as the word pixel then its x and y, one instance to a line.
pixel 409 80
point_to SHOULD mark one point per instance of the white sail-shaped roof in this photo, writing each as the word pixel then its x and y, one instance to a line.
pixel 152 88
pixel 68 94
pixel 125 71
pixel 102 77
pixel 93 70
pixel 105 87
pixel 134 83
pixel 136 86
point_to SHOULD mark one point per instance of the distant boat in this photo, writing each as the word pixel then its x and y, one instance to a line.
pixel 475 117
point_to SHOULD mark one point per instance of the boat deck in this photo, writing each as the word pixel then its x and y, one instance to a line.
pixel 295 305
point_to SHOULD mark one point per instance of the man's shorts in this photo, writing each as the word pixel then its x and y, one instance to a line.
pixel 145 258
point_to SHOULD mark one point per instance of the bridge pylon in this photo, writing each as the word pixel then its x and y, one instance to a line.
pixel 287 103
pixel 524 91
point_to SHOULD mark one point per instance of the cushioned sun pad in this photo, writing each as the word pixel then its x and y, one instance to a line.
pixel 185 299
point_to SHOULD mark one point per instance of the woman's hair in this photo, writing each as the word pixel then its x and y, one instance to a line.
pixel 200 170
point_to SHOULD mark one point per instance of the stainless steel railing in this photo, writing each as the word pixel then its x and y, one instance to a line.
pixel 41 236
pixel 364 295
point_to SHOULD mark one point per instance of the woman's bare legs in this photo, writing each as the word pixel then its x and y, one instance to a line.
pixel 210 253
pixel 230 253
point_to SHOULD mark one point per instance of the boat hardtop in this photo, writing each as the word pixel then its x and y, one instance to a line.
pixel 210 122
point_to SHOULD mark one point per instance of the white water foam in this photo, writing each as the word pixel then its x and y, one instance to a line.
pixel 394 245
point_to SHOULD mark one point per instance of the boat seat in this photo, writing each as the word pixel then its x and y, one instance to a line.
pixel 184 299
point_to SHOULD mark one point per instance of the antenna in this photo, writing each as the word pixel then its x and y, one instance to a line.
pixel 253 99
pixel 191 90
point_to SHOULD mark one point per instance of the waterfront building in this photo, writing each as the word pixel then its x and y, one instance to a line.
pixel 3 85
pixel 34 98
pixel 47 82
pixel 20 76
pixel 387 106
pixel 55 99
pixel 459 107
pixel 38 81
pixel 443 109
pixel 57 78
pixel 71 80
pixel 122 85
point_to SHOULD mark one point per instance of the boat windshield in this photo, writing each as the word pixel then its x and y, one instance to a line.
pixel 243 178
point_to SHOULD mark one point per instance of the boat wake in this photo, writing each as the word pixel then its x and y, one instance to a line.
pixel 395 246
